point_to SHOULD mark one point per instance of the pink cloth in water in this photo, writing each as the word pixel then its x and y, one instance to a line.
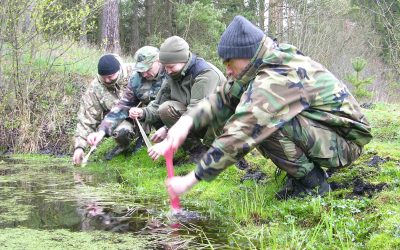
pixel 175 203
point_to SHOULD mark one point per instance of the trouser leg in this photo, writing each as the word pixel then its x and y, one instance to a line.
pixel 303 143
pixel 170 118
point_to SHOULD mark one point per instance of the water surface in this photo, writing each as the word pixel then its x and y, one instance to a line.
pixel 50 196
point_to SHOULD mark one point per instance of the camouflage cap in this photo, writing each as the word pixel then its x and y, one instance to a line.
pixel 145 57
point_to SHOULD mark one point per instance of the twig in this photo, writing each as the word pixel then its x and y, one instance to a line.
pixel 85 159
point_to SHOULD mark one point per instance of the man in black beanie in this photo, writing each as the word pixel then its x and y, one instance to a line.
pixel 100 96
pixel 142 90
pixel 289 107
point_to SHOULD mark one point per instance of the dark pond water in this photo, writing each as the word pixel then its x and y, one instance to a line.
pixel 51 195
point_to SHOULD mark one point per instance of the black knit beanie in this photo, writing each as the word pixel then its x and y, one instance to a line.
pixel 241 39
pixel 174 50
pixel 108 65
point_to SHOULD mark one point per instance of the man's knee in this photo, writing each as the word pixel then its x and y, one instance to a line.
pixel 171 111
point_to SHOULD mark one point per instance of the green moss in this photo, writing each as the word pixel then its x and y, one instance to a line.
pixel 23 238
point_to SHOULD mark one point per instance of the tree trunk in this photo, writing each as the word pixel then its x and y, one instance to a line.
pixel 149 4
pixel 135 28
pixel 83 34
pixel 28 26
pixel 261 14
pixel 170 20
pixel 110 27
pixel 276 17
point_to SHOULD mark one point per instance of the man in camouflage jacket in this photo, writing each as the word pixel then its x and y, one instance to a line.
pixel 289 107
pixel 191 79
pixel 101 95
pixel 142 89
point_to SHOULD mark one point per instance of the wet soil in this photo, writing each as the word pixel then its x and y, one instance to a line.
pixel 253 171
pixel 359 185
pixel 255 175
pixel 368 105
pixel 360 188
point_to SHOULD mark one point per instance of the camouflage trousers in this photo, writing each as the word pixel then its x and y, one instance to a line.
pixel 124 133
pixel 170 118
pixel 302 144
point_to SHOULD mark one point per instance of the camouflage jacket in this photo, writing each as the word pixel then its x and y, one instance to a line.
pixel 97 101
pixel 197 80
pixel 139 90
pixel 279 84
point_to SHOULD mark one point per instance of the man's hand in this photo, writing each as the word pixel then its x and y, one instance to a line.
pixel 173 112
pixel 179 185
pixel 136 113
pixel 78 156
pixel 175 137
pixel 159 135
pixel 94 138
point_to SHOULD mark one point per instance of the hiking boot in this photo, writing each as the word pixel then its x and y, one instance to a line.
pixel 138 144
pixel 287 190
pixel 314 183
pixel 115 151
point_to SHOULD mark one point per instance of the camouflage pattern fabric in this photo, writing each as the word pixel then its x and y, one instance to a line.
pixel 289 107
pixel 139 90
pixel 97 101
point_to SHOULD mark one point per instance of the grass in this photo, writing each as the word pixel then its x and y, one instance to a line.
pixel 258 221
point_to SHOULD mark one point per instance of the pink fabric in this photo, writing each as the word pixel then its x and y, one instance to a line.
pixel 174 199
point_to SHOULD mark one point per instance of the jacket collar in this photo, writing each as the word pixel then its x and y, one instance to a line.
pixel 266 47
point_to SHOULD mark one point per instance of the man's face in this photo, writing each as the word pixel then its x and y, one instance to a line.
pixel 152 72
pixel 235 66
pixel 175 68
pixel 110 79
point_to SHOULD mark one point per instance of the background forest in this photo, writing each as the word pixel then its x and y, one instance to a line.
pixel 49 50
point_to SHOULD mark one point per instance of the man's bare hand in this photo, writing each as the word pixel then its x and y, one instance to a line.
pixel 173 112
pixel 78 156
pixel 136 113
pixel 179 185
pixel 159 135
pixel 175 138
pixel 94 138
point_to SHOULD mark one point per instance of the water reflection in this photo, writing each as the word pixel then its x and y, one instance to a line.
pixel 37 195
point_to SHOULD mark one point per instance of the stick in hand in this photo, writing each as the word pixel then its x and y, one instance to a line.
pixel 86 158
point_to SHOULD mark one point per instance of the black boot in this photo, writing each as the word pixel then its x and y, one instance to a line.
pixel 138 144
pixel 115 151
pixel 287 190
pixel 314 183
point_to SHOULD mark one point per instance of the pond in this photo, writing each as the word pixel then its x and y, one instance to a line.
pixel 50 204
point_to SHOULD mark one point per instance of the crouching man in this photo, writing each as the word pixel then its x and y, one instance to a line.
pixel 279 101
pixel 100 96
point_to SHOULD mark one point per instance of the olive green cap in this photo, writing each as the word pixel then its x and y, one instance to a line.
pixel 145 57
